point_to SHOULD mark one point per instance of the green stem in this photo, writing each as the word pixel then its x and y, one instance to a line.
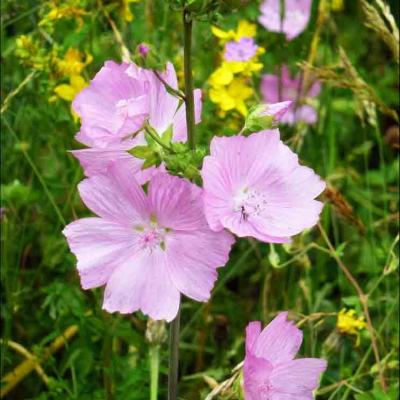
pixel 157 139
pixel 174 357
pixel 154 369
pixel 187 61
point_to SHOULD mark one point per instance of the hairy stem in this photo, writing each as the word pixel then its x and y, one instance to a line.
pixel 174 357
pixel 187 60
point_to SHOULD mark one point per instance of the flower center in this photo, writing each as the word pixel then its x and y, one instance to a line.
pixel 266 390
pixel 152 237
pixel 249 202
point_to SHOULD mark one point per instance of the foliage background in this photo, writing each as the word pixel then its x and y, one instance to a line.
pixel 41 296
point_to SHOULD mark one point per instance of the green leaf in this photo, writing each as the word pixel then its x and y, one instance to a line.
pixel 142 152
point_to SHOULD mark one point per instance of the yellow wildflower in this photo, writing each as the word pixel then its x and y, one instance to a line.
pixel 243 67
pixel 348 322
pixel 244 29
pixel 125 10
pixel 69 9
pixel 69 91
pixel 221 76
pixel 232 96
pixel 73 62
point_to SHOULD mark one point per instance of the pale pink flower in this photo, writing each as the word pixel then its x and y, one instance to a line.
pixel 255 186
pixel 114 107
pixel 290 90
pixel 270 370
pixel 295 20
pixel 266 116
pixel 146 248
pixel 241 50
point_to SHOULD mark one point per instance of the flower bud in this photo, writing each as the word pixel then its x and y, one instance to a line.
pixel 143 49
pixel 265 116
pixel 156 332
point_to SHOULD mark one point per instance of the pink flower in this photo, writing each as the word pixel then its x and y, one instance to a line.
pixel 242 50
pixel 290 90
pixel 146 249
pixel 270 370
pixel 113 106
pixel 296 16
pixel 266 116
pixel 254 186
pixel 116 104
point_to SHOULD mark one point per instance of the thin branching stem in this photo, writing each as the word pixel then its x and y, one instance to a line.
pixel 363 300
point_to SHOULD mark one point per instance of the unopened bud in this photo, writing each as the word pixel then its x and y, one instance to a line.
pixel 156 332
pixel 143 49
pixel 265 116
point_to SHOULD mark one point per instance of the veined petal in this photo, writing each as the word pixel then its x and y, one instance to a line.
pixel 143 283
pixel 163 105
pixel 179 121
pixel 298 377
pixel 176 203
pixel 193 258
pixel 99 246
pixel 279 341
pixel 115 196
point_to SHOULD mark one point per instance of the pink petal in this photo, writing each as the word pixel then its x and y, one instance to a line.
pixel 143 283
pixel 271 15
pixel 99 246
pixel 250 228
pixel 163 105
pixel 280 340
pixel 256 373
pixel 245 160
pixel 306 114
pixel 253 330
pixel 193 258
pixel 298 377
pixel 97 105
pixel 96 161
pixel 179 121
pixel 297 15
pixel 270 88
pixel 288 396
pixel 176 203
pixel 285 221
pixel 115 196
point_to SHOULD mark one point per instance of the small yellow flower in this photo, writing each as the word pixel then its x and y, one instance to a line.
pixel 125 10
pixel 221 76
pixel 232 96
pixel 244 29
pixel 243 67
pixel 348 322
pixel 67 10
pixel 73 62
pixel 69 91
